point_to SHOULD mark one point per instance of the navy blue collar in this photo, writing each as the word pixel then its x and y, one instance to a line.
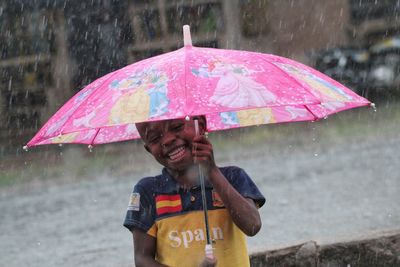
pixel 168 185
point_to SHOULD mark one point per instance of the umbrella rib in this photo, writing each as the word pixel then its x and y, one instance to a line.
pixel 95 136
pixel 312 113
pixel 296 82
pixel 289 76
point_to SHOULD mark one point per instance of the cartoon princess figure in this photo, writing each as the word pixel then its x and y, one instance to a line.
pixel 235 88
pixel 131 107
pixel 143 96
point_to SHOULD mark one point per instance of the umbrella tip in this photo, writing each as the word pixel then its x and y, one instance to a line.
pixel 187 39
pixel 373 106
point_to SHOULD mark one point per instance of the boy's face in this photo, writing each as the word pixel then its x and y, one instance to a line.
pixel 170 142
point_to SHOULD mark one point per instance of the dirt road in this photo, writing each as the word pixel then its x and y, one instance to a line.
pixel 318 186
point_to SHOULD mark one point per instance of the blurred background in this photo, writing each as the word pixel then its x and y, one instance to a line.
pixel 50 49
pixel 338 178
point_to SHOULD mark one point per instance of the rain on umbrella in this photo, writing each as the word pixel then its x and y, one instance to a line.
pixel 230 88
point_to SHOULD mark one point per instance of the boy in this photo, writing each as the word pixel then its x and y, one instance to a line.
pixel 165 212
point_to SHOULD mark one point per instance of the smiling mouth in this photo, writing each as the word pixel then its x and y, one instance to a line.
pixel 177 153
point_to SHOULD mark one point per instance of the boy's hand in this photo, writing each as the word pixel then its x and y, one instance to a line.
pixel 202 152
pixel 208 262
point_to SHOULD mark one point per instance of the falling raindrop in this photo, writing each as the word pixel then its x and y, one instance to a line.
pixel 10 83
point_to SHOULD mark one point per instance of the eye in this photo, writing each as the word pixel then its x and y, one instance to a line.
pixel 153 139
pixel 177 127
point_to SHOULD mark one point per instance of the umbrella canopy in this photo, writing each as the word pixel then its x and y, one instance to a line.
pixel 231 88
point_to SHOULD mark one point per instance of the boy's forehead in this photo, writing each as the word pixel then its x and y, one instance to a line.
pixel 144 127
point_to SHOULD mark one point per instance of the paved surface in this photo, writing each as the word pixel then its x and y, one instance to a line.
pixel 316 189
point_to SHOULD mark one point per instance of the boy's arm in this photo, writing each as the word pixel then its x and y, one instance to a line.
pixel 243 210
pixel 144 249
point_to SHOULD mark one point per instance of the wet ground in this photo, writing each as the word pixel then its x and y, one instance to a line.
pixel 320 184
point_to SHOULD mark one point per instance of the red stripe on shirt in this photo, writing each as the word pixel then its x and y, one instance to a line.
pixel 167 197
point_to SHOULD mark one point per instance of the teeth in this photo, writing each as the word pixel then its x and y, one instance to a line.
pixel 177 153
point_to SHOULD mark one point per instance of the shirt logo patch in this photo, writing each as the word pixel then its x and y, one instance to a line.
pixel 217 201
pixel 134 202
pixel 168 204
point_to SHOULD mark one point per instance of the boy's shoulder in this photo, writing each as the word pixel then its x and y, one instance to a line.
pixel 162 183
pixel 149 181
pixel 231 170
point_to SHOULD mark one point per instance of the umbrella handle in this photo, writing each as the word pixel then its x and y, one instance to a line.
pixel 209 251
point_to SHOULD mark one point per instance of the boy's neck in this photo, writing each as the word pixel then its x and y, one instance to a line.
pixel 186 178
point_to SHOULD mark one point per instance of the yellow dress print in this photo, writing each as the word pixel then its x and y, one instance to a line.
pixel 255 116
pixel 65 138
pixel 323 89
pixel 131 107
pixel 317 84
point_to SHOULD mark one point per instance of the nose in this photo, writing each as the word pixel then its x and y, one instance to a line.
pixel 168 139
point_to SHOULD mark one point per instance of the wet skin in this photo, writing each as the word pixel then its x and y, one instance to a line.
pixel 172 144
pixel 175 145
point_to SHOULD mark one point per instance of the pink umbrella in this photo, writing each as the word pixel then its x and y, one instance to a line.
pixel 231 88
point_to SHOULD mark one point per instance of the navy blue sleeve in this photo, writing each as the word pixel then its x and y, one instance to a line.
pixel 241 181
pixel 140 212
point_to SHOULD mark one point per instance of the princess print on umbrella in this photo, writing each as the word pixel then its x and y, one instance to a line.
pixel 143 96
pixel 235 88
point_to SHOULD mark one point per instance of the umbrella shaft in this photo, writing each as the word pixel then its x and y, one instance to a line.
pixel 204 201
pixel 203 190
